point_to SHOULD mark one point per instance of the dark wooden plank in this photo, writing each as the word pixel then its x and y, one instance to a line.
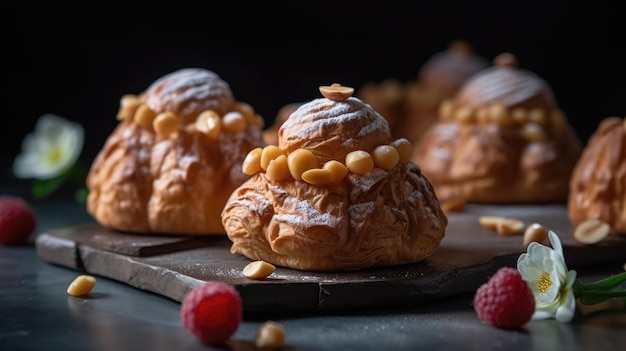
pixel 172 265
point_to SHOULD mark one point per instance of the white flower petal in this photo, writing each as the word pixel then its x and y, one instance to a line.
pixel 555 242
pixel 545 271
pixel 570 279
pixel 52 148
pixel 566 309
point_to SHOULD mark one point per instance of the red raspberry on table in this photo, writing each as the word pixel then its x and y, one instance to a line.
pixel 212 312
pixel 17 221
pixel 505 301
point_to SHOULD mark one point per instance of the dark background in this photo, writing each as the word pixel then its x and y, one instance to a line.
pixel 77 61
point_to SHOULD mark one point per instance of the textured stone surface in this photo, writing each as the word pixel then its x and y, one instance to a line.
pixel 172 265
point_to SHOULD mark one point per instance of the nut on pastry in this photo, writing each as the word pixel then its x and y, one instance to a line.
pixel 501 139
pixel 337 193
pixel 598 183
pixel 174 158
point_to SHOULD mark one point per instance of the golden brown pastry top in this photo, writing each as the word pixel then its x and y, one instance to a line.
pixel 448 70
pixel 331 129
pixel 508 85
pixel 188 92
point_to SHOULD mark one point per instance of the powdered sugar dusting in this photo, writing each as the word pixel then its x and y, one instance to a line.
pixel 304 214
pixel 193 89
pixel 324 114
pixel 362 183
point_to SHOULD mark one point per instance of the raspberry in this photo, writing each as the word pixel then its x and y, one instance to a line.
pixel 505 301
pixel 17 221
pixel 212 312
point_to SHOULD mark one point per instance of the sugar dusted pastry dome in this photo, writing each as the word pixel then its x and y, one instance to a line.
pixel 175 156
pixel 501 139
pixel 336 193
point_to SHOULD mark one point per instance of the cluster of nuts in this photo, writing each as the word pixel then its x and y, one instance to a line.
pixel 589 232
pixel 208 122
pixel 534 122
pixel 301 164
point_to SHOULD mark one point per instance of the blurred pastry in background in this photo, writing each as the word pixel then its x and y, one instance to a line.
pixel 501 139
pixel 598 183
pixel 174 158
pixel 270 134
pixel 411 107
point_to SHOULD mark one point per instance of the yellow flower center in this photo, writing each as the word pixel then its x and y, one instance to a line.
pixel 55 155
pixel 544 283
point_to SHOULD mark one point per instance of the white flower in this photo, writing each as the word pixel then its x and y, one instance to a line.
pixel 551 283
pixel 50 150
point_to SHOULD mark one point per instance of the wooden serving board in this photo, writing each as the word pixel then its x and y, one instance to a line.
pixel 172 265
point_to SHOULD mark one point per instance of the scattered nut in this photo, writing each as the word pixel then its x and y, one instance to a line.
pixel 336 92
pixel 591 231
pixel 489 222
pixel 270 335
pixel 258 270
pixel 508 226
pixel 503 225
pixel 535 232
pixel 82 285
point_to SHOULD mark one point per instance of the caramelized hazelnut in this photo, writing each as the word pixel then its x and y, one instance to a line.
pixel 128 106
pixel 533 132
pixel 278 169
pixel 404 148
pixel 210 123
pixel 317 176
pixel 336 92
pixel 165 123
pixel 591 231
pixel 386 156
pixel 258 270
pixel 144 117
pixel 535 233
pixel 300 161
pixel 359 162
pixel 234 122
pixel 337 169
pixel 252 162
pixel 269 153
pixel 270 336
